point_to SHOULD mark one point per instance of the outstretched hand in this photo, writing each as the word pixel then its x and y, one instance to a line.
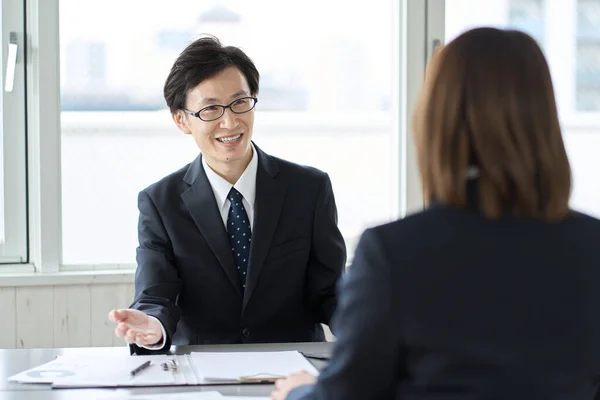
pixel 135 327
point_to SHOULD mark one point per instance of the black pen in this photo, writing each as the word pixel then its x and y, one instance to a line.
pixel 316 356
pixel 140 368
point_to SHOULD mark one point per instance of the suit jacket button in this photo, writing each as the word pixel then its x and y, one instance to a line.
pixel 246 332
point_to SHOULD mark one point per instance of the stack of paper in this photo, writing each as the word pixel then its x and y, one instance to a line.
pixel 166 396
pixel 249 367
pixel 181 396
pixel 101 371
pixel 194 369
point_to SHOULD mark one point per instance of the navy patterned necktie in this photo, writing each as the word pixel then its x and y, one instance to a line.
pixel 240 233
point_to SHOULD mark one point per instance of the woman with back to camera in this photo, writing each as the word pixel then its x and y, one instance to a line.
pixel 492 292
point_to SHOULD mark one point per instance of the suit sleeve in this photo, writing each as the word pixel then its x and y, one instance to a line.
pixel 365 362
pixel 328 255
pixel 157 284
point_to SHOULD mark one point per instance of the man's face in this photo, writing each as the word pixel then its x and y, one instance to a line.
pixel 226 139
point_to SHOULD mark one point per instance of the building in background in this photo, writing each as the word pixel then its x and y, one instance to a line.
pixel 588 55
pixel 567 30
pixel 126 73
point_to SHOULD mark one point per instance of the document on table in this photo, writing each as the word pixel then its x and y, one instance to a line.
pixel 106 371
pixel 198 368
pixel 244 398
pixel 248 367
pixel 166 396
pixel 180 396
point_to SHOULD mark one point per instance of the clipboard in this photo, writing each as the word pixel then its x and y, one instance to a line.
pixel 260 378
pixel 317 356
pixel 164 370
pixel 201 368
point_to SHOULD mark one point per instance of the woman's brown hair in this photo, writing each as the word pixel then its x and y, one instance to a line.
pixel 488 103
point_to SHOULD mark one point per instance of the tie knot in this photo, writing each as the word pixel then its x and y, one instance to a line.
pixel 234 195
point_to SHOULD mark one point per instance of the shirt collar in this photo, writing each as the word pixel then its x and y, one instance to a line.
pixel 246 184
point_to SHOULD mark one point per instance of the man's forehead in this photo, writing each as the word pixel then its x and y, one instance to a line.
pixel 220 96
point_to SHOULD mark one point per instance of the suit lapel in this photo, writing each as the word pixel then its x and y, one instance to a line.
pixel 200 202
pixel 270 194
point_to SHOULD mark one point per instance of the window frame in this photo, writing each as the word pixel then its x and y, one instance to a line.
pixel 412 28
pixel 13 250
pixel 44 142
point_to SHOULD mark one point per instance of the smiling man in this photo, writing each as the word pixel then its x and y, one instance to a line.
pixel 237 246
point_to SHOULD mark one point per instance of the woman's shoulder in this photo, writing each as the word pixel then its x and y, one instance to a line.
pixel 443 222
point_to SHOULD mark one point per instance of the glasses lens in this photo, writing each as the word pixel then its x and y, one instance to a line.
pixel 242 105
pixel 211 112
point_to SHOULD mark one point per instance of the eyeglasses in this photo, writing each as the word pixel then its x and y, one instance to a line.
pixel 211 113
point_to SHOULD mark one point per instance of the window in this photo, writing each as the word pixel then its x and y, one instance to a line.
pixel 13 210
pixel 588 55
pixel 528 16
pixel 326 100
pixel 568 32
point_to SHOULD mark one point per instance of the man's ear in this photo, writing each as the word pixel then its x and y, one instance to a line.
pixel 181 121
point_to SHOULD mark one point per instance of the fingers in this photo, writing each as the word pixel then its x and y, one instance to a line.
pixel 136 327
pixel 277 395
pixel 135 336
pixel 121 330
pixel 112 316
pixel 118 315
pixel 280 392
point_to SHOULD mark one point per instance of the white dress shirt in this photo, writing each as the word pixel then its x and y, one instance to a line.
pixel 246 185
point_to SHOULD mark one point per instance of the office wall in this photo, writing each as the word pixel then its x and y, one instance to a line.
pixel 63 315
pixel 60 316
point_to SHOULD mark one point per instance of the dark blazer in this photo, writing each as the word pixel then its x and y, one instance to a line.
pixel 447 304
pixel 186 276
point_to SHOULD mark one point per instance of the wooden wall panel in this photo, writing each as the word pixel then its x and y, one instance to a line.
pixel 35 317
pixel 72 316
pixel 8 316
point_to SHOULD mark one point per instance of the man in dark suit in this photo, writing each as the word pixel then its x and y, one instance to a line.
pixel 238 246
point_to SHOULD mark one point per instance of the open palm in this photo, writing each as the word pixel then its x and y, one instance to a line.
pixel 135 327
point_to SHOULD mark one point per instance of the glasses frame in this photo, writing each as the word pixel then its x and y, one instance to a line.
pixel 223 108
